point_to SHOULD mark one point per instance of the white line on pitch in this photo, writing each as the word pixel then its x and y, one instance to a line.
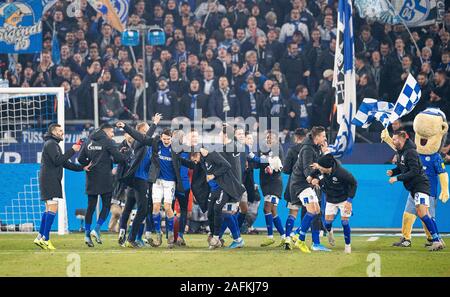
pixel 373 238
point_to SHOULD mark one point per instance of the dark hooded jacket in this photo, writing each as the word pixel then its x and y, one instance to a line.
pixel 288 166
pixel 139 151
pixel 102 152
pixel 339 185
pixel 51 171
pixel 409 170
pixel 214 163
pixel 309 153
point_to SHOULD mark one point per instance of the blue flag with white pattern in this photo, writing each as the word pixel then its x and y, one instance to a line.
pixel 370 110
pixel 344 81
pixel 385 112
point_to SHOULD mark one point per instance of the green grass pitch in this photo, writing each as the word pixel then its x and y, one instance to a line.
pixel 20 257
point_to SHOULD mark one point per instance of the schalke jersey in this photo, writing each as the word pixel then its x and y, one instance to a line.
pixel 433 165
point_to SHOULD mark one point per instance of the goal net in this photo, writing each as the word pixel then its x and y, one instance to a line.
pixel 25 114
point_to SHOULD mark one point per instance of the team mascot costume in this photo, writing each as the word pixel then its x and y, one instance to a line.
pixel 430 127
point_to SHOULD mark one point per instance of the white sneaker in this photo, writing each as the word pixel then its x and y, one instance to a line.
pixel 215 243
pixel 331 240
pixel 348 249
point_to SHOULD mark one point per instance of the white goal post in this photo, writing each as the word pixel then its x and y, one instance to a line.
pixel 26 114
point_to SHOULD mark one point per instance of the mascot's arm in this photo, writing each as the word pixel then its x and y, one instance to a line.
pixel 387 138
pixel 443 180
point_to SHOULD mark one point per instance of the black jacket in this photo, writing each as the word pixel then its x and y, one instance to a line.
pixel 288 166
pixel 201 103
pixel 339 185
pixel 155 166
pixel 139 151
pixel 52 163
pixel 309 153
pixel 409 170
pixel 246 108
pixel 119 185
pixel 216 105
pixel 102 152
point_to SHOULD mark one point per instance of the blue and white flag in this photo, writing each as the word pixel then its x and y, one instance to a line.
pixel 47 4
pixel 56 50
pixel 407 100
pixel 344 80
pixel 372 109
pixel 377 10
pixel 387 113
pixel 122 7
pixel 412 13
pixel 21 27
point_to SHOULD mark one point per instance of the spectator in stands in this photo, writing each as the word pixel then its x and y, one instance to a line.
pixel 365 89
pixel 299 109
pixel 326 59
pixel 194 101
pixel 111 106
pixel 135 98
pixel 251 101
pixel 223 102
pixel 323 101
pixel 365 43
pixel 163 101
pixel 209 84
pixel 70 102
pixel 440 93
pixel 294 24
pixel 327 29
pixel 275 105
pixel 294 66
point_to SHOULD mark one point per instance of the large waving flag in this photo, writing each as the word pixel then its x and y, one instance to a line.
pixel 385 112
pixel 407 100
pixel 114 11
pixel 372 109
pixel 344 80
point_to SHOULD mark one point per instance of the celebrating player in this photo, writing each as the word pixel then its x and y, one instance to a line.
pixel 137 177
pixel 101 151
pixel 50 176
pixel 301 188
pixel 409 171
pixel 340 188
pixel 289 162
pixel 271 186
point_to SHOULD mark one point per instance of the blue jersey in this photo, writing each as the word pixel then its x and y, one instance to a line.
pixel 166 164
pixel 184 173
pixel 213 185
pixel 144 167
pixel 433 165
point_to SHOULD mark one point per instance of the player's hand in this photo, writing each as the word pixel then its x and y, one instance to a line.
pixel 204 152
pixel 120 125
pixel 76 147
pixel 315 183
pixel 87 168
pixel 309 179
pixel 392 180
pixel 389 173
pixel 348 207
pixel 157 118
pixel 444 196
pixel 313 166
pixel 210 177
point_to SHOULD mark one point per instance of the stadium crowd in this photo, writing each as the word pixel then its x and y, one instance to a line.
pixel 229 58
